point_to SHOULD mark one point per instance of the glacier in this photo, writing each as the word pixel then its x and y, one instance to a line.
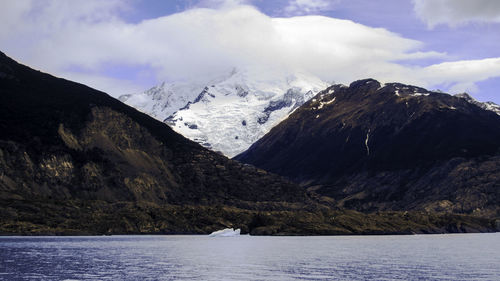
pixel 231 112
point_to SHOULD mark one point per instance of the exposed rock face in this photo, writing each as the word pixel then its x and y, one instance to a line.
pixel 389 147
pixel 114 158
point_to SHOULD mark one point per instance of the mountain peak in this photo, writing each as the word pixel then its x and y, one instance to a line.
pixel 366 146
pixel 366 85
pixel 465 96
pixel 230 112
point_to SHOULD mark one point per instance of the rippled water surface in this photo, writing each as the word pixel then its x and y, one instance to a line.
pixel 417 257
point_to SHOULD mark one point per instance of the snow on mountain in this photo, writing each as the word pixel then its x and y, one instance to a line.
pixel 485 105
pixel 163 100
pixel 230 113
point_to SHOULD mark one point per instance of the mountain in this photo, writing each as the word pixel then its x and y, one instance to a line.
pixel 165 99
pixel 231 112
pixel 373 147
pixel 65 145
pixel 71 135
pixel 75 161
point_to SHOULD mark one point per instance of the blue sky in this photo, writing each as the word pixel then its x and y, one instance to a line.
pixel 127 46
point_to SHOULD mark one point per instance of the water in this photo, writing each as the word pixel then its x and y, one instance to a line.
pixel 417 257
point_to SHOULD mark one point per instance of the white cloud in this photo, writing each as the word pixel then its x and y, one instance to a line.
pixel 301 7
pixel 460 76
pixel 110 85
pixel 463 71
pixel 62 37
pixel 467 87
pixel 456 12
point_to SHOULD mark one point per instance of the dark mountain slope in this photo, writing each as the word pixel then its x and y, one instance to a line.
pixel 73 141
pixel 374 147
pixel 65 144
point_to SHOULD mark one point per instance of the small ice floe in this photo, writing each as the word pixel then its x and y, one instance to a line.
pixel 228 232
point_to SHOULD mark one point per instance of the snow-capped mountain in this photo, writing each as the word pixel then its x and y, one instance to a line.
pixel 163 100
pixel 230 113
pixel 489 105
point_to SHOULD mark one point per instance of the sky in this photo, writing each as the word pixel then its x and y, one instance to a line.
pixel 127 46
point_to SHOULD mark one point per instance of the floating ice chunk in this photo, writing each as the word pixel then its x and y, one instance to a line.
pixel 228 232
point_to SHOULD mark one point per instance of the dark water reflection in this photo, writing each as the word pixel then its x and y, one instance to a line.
pixel 418 257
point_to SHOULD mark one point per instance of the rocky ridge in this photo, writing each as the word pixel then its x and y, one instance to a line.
pixel 489 105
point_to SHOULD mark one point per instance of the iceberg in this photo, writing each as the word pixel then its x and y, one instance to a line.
pixel 228 232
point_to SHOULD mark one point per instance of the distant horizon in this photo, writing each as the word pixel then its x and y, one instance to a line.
pixel 124 47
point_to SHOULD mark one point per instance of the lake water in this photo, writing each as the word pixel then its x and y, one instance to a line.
pixel 414 257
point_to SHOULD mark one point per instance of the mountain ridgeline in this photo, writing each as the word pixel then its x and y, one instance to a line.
pixel 75 161
pixel 373 147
